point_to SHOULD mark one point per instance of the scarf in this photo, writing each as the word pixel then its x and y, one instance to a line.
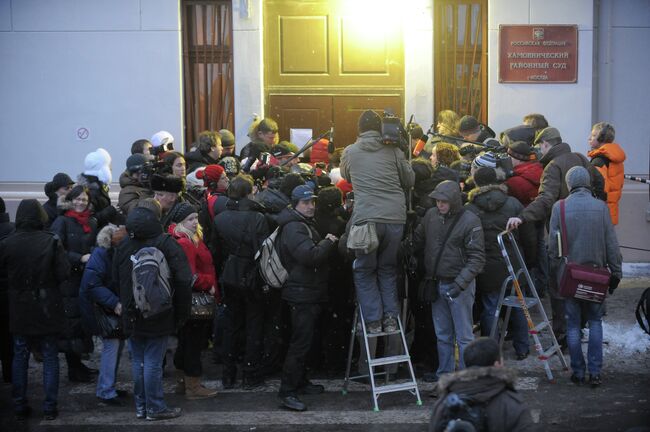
pixel 82 218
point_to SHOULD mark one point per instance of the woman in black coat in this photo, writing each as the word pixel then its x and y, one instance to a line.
pixel 77 230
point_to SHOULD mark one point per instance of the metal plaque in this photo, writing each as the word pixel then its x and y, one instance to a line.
pixel 538 54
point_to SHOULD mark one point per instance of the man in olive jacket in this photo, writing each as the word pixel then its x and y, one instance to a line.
pixel 148 336
pixel 380 175
pixel 452 280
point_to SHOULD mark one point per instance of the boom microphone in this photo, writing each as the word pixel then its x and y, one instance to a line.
pixel 419 145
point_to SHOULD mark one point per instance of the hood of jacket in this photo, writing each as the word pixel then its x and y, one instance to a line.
pixel 142 223
pixel 30 215
pixel 273 199
pixel 489 197
pixel 244 204
pixel 480 383
pixel 197 157
pixel 105 235
pixel 127 180
pixel 290 215
pixel 62 205
pixel 531 171
pixel 555 151
pixel 370 141
pixel 450 191
pixel 611 151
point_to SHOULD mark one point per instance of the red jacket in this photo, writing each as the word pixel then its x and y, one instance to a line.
pixel 200 260
pixel 524 184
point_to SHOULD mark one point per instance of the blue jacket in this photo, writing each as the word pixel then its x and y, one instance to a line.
pixel 97 287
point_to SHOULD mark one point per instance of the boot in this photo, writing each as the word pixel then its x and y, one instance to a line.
pixel 180 383
pixel 195 390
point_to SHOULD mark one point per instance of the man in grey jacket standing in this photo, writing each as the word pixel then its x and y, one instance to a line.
pixel 379 174
pixel 591 239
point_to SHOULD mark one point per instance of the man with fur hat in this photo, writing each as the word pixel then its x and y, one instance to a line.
pixel 380 175
pixel 132 187
pixel 590 239
pixel 486 383
pixel 167 190
pixel 557 159
pixel 455 263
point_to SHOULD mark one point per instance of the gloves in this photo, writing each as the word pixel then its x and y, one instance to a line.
pixel 613 284
pixel 454 291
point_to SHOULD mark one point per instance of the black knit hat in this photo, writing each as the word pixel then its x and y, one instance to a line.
pixel 369 120
pixel 484 176
pixel 167 183
pixel 467 124
pixel 60 180
pixel 181 211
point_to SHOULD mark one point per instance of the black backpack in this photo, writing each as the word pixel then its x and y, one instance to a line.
pixel 462 413
pixel 642 309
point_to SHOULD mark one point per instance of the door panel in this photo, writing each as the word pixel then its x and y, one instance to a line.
pixel 309 112
pixel 347 110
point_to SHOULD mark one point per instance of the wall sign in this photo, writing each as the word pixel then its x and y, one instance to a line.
pixel 538 54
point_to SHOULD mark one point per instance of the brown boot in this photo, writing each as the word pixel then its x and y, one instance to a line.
pixel 194 389
pixel 180 383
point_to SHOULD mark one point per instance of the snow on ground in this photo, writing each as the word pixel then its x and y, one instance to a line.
pixel 624 339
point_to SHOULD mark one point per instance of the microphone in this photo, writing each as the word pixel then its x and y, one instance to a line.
pixel 408 125
pixel 419 145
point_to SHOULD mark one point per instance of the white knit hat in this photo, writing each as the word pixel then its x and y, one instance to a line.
pixel 98 164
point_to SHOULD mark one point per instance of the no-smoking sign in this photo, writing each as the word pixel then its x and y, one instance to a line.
pixel 83 133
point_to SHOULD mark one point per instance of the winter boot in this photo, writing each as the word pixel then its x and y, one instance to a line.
pixel 180 383
pixel 195 390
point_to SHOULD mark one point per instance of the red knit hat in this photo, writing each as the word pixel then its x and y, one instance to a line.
pixel 211 173
pixel 319 152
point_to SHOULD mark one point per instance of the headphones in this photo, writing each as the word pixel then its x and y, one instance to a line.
pixel 605 129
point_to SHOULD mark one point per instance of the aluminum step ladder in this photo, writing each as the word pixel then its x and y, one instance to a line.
pixel 516 299
pixel 377 390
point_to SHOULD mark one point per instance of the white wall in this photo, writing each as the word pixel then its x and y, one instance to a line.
pixel 566 106
pixel 112 67
pixel 623 96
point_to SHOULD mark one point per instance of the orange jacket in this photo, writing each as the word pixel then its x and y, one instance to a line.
pixel 608 159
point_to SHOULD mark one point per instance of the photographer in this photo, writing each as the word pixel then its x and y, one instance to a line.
pixel 133 188
pixel 379 174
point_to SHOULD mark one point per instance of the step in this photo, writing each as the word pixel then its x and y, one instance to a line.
pixel 389 360
pixel 539 327
pixel 549 352
pixel 513 301
pixel 383 334
pixel 396 387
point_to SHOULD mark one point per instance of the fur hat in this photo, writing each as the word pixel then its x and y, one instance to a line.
pixel 97 164
pixel 227 138
pixel 162 137
pixel 485 176
pixel 369 120
pixel 167 183
pixel 181 211
pixel 576 177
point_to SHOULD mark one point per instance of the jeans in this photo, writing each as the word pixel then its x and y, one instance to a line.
pixel 375 274
pixel 452 320
pixel 518 322
pixel 50 351
pixel 304 317
pixel 146 358
pixel 593 313
pixel 110 361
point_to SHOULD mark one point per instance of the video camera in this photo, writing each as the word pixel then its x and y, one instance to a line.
pixel 149 169
pixel 162 148
pixel 393 132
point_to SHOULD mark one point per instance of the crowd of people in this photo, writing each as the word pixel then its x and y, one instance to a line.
pixel 372 223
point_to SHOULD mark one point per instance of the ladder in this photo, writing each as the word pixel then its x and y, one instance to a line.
pixel 516 299
pixel 377 390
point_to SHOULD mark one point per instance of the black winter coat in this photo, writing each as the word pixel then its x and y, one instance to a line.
pixel 52 211
pixel 494 207
pixel 304 255
pixel 98 191
pixel 35 264
pixel 6 228
pixel 145 230
pixel 195 159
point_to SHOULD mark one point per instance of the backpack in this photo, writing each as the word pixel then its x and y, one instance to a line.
pixel 461 412
pixel 150 276
pixel 268 260
pixel 642 309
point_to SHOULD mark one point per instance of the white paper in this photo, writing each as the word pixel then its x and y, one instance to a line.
pixel 300 137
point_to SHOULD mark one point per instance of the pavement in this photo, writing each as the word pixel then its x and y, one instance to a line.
pixel 622 402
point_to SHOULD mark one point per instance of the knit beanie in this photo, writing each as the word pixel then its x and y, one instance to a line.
pixel 487 159
pixel 97 164
pixel 211 173
pixel 484 176
pixel 135 162
pixel 60 180
pixel 577 177
pixel 231 165
pixel 181 211
pixel 369 120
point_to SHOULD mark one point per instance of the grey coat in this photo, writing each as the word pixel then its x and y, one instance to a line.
pixel 379 174
pixel 591 235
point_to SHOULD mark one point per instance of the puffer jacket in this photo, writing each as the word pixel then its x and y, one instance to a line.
pixel 379 175
pixel 590 232
pixel 36 265
pixel 557 162
pixel 524 183
pixel 608 159
pixel 505 410
pixel 97 282
pixel 273 201
pixel 494 207
pixel 145 230
pixel 131 192
pixel 463 256
pixel 305 256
